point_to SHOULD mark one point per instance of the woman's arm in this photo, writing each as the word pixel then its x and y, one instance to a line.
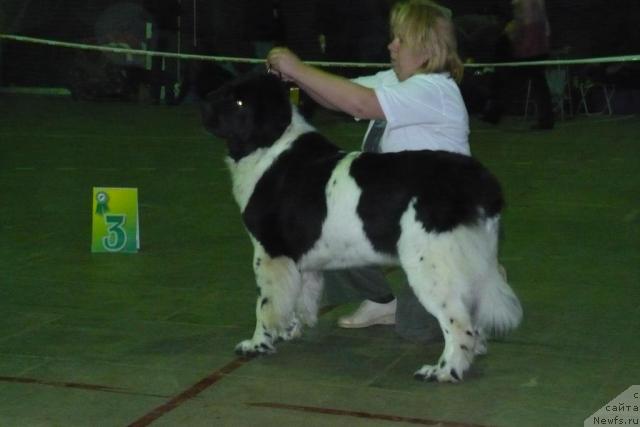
pixel 330 90
pixel 318 97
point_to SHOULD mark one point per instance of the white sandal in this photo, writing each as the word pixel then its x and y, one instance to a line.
pixel 370 313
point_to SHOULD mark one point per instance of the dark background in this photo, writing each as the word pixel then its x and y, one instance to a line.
pixel 355 30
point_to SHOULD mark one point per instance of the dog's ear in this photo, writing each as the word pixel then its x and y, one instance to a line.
pixel 275 114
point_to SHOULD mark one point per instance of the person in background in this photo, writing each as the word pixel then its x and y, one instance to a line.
pixel 525 38
pixel 415 105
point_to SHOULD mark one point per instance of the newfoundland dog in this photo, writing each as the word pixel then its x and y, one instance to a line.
pixel 309 206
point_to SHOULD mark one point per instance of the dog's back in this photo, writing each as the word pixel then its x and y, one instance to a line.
pixel 449 190
pixel 295 196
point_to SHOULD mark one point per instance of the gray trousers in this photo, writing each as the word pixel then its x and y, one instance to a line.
pixel 413 322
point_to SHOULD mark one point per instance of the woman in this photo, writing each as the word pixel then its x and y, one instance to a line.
pixel 416 105
pixel 525 38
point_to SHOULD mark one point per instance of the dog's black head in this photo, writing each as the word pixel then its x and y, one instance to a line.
pixel 250 112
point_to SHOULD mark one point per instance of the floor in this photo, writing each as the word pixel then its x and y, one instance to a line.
pixel 147 338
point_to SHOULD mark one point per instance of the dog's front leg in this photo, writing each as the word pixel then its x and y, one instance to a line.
pixel 279 282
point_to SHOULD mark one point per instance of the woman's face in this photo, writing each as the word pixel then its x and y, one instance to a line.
pixel 404 60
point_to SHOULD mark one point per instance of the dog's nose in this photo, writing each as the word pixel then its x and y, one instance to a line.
pixel 209 119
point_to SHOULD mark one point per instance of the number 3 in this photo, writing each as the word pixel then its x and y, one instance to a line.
pixel 117 238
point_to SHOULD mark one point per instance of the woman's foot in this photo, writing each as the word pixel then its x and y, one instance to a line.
pixel 370 313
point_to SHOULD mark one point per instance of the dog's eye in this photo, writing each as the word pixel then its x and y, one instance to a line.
pixel 239 103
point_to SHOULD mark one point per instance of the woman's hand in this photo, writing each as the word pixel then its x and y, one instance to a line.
pixel 281 60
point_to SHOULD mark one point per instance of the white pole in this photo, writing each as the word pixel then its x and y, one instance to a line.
pixel 195 39
pixel 148 36
pixel 179 42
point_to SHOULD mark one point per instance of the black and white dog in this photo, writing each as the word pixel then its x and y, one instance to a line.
pixel 308 206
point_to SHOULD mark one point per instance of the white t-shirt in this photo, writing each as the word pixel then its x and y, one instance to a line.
pixel 423 112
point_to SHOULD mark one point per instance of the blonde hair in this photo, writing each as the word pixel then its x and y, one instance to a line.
pixel 427 28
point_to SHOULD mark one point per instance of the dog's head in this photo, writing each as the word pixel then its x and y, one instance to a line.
pixel 250 112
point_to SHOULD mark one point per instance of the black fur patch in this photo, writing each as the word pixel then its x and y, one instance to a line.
pixel 450 190
pixel 288 205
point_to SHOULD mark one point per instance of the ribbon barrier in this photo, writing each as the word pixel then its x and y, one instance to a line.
pixel 114 49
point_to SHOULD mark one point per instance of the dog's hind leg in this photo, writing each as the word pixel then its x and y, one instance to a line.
pixel 442 298
pixel 278 281
pixel 459 335
pixel 438 267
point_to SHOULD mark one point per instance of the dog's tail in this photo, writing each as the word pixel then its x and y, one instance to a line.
pixel 498 309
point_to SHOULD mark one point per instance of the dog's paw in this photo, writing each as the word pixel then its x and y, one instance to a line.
pixel 252 348
pixel 294 330
pixel 438 373
pixel 480 344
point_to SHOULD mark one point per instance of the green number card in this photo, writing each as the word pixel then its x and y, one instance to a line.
pixel 115 220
